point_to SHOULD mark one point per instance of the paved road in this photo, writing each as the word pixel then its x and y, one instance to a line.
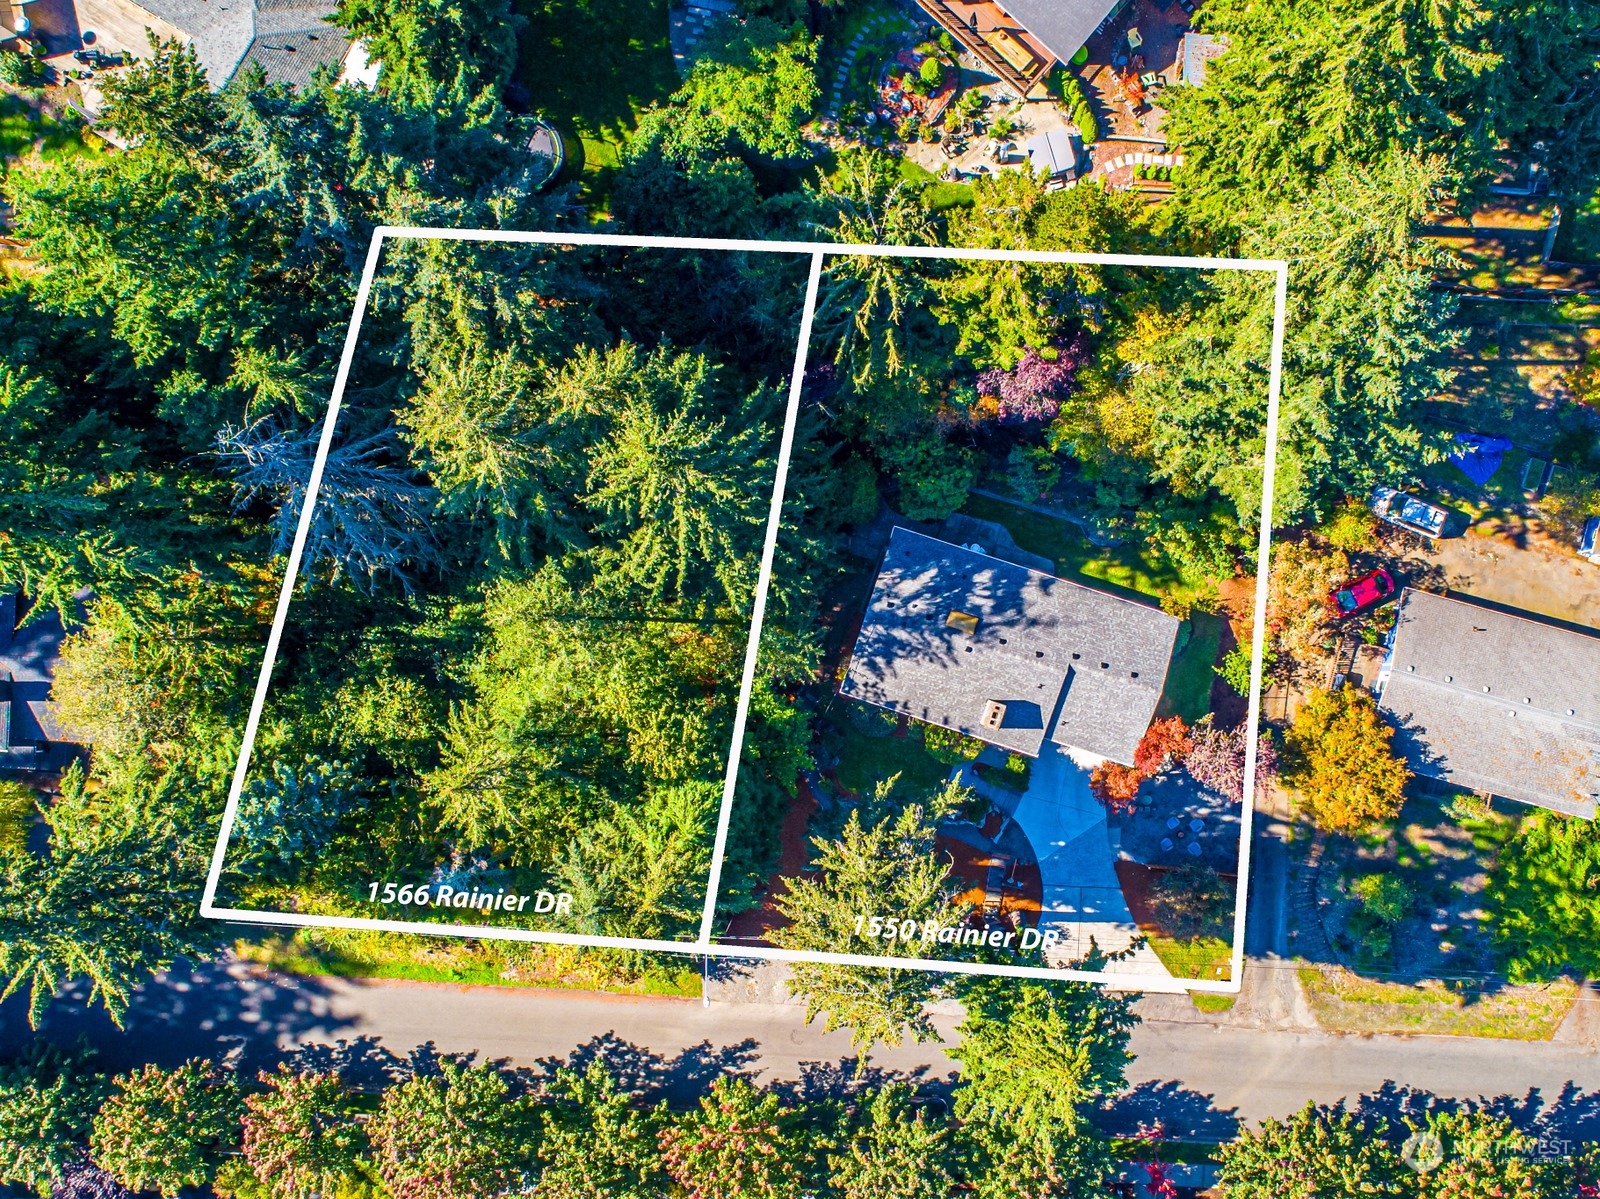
pixel 1198 1076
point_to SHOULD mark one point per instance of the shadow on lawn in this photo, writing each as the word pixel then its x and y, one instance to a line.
pixel 594 65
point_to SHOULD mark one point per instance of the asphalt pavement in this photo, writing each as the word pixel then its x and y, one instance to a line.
pixel 1199 1077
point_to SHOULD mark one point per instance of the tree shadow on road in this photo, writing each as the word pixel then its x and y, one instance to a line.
pixel 845 1079
pixel 1572 1116
pixel 1183 1113
pixel 677 1079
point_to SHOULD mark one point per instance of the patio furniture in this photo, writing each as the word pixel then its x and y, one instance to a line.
pixel 1172 822
pixel 1194 849
pixel 1166 844
pixel 1196 825
pixel 1149 79
pixel 1134 38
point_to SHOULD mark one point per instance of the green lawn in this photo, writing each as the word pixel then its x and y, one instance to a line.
pixel 865 759
pixel 22 127
pixel 592 67
pixel 363 954
pixel 1128 569
pixel 1347 1002
pixel 1188 690
pixel 1203 957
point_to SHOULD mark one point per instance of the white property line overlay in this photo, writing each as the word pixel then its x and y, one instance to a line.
pixel 704 945
pixel 758 611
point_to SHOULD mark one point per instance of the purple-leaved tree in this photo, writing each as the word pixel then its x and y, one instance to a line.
pixel 1217 759
pixel 1034 388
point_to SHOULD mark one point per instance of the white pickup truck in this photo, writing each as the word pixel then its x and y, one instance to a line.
pixel 1407 511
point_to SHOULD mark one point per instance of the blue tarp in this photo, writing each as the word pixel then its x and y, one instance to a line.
pixel 1479 456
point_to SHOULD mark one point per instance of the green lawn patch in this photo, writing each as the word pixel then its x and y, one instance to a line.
pixel 1123 569
pixel 24 128
pixel 592 67
pixel 1208 1002
pixel 943 196
pixel 1345 1001
pixel 430 959
pixel 1013 776
pixel 1188 689
pixel 866 759
pixel 1203 957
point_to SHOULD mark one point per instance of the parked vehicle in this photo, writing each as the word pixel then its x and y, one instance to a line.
pixel 1371 588
pixel 1589 543
pixel 1408 511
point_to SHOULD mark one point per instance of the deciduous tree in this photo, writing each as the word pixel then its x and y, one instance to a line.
pixel 1337 755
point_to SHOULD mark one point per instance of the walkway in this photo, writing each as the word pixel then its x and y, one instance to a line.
pixel 1082 899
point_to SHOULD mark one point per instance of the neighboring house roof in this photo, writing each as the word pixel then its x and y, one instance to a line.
pixel 1062 25
pixel 289 39
pixel 1496 702
pixel 1010 655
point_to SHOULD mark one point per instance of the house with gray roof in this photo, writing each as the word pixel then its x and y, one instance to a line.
pixel 1015 657
pixel 288 39
pixel 1504 703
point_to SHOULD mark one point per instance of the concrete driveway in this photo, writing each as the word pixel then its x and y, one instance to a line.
pixel 1066 825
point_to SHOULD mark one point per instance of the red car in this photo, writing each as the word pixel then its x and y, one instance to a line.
pixel 1369 589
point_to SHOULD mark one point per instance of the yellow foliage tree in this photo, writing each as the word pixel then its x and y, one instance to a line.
pixel 1303 574
pixel 1338 756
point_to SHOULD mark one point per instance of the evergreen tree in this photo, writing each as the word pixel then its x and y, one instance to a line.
pixel 1544 893
pixel 48 1097
pixel 300 1136
pixel 883 863
pixel 642 871
pixel 597 1141
pixel 744 1143
pixel 115 898
pixel 1033 1054
pixel 436 52
pixel 1317 1153
pixel 872 311
pixel 1361 80
pixel 167 1130
pixel 892 1151
pixel 757 79
pixel 458 1134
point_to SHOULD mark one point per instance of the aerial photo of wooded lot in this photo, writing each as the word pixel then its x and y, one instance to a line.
pixel 1000 710
pixel 522 678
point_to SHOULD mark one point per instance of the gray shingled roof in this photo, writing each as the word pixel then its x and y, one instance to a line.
pixel 1062 25
pixel 288 38
pixel 1501 703
pixel 1070 663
